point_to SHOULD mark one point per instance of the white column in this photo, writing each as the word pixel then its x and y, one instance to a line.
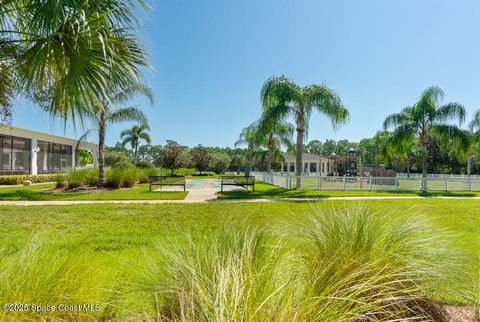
pixel 73 158
pixel 33 159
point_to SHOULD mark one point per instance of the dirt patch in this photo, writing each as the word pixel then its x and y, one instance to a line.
pixel 461 313
pixel 79 190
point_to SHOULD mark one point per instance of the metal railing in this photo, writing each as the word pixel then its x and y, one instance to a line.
pixel 371 183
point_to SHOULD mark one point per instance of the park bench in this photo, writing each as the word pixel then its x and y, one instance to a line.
pixel 242 181
pixel 167 181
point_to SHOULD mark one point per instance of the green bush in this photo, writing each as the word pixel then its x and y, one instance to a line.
pixel 113 178
pixel 144 164
pixel 35 178
pixel 112 157
pixel 123 176
pixel 123 165
pixel 60 181
pixel 180 171
pixel 143 174
pixel 82 177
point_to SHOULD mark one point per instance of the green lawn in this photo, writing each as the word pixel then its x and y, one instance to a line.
pixel 263 190
pixel 108 243
pixel 140 192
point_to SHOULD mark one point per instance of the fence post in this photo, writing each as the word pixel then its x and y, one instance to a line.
pixel 318 183
pixel 287 180
pixel 371 183
pixel 361 182
pixel 446 183
pixel 396 183
pixel 469 184
pixel 344 183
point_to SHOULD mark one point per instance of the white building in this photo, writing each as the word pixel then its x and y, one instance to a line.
pixel 25 151
pixel 312 164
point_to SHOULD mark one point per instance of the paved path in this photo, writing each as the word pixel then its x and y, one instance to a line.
pixel 198 199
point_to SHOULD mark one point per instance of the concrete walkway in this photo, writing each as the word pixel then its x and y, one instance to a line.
pixel 197 198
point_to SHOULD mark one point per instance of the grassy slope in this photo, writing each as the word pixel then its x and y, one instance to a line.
pixel 140 192
pixel 115 233
pixel 263 190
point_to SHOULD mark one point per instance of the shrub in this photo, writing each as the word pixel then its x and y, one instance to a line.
pixel 123 165
pixel 129 177
pixel 82 177
pixel 144 164
pixel 112 157
pixel 35 178
pixel 123 176
pixel 60 181
pixel 143 174
pixel 113 178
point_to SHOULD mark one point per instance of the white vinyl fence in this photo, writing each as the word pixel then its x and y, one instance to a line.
pixel 371 183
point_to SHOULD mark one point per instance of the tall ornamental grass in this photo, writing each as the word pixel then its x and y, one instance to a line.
pixel 45 276
pixel 337 264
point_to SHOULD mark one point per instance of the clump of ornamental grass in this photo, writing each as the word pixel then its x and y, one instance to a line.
pixel 234 274
pixel 360 265
pixel 87 177
pixel 45 276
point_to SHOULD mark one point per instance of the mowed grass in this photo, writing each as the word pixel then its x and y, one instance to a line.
pixel 109 246
pixel 139 192
pixel 264 190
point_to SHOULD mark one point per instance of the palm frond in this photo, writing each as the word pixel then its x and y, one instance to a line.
pixel 326 101
pixel 127 114
pixel 451 111
pixel 475 123
pixel 279 90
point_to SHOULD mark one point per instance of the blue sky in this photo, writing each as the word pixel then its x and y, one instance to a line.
pixel 210 58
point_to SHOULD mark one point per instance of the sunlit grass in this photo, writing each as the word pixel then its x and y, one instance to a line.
pixel 309 261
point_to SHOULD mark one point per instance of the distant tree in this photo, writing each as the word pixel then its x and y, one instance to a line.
pixel 238 162
pixel 220 162
pixel 315 147
pixel 133 137
pixel 329 147
pixel 84 157
pixel 426 119
pixel 173 156
pixel 282 98
pixel 200 158
pixel 150 153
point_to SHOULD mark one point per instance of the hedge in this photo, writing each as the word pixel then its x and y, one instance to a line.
pixel 19 179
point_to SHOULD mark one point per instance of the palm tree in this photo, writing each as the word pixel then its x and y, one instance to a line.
pixel 273 134
pixel 72 54
pixel 282 98
pixel 114 111
pixel 134 135
pixel 473 142
pixel 425 119
pixel 249 137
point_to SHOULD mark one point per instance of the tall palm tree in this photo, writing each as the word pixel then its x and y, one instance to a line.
pixel 472 147
pixel 112 111
pixel 72 54
pixel 426 119
pixel 282 98
pixel 134 135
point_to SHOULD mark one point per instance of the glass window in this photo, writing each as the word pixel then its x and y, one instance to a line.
pixel 14 155
pixel 313 167
pixel 53 157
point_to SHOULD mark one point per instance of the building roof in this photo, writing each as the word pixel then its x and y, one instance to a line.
pixel 306 157
pixel 31 134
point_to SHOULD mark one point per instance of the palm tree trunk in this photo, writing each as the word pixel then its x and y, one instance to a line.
pixel 469 165
pixel 424 166
pixel 270 153
pixel 408 167
pixel 135 153
pixel 299 151
pixel 424 160
pixel 101 148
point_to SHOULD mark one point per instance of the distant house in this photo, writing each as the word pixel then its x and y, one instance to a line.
pixel 25 151
pixel 312 164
